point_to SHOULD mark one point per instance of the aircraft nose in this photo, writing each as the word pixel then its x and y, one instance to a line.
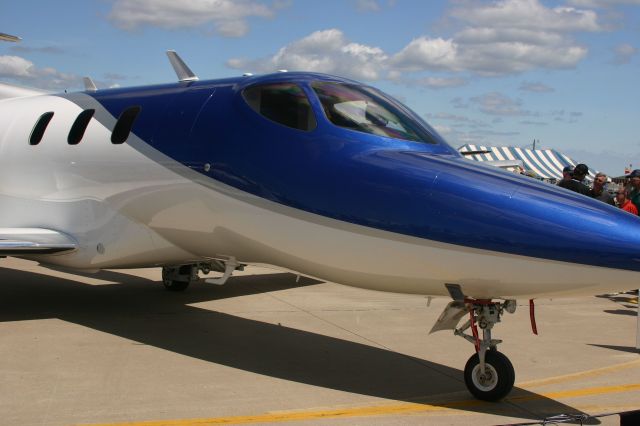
pixel 482 207
pixel 575 228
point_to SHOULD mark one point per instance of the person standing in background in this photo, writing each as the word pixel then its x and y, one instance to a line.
pixel 575 184
pixel 599 192
pixel 624 202
pixel 634 187
pixel 566 174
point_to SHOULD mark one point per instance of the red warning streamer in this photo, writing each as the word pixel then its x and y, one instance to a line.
pixel 532 315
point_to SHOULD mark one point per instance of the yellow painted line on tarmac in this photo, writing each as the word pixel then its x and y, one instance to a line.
pixel 575 393
pixel 292 416
pixel 580 375
pixel 406 408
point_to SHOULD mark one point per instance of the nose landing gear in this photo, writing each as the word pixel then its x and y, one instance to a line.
pixel 488 374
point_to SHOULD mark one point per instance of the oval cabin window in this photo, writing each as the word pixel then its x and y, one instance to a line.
pixel 124 124
pixel 38 129
pixel 79 126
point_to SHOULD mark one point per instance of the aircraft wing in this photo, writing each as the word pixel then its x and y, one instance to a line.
pixel 22 241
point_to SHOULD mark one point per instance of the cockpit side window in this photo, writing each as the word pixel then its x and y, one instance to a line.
pixel 284 103
pixel 366 110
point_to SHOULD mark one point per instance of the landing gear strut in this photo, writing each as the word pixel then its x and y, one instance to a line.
pixel 488 374
pixel 178 278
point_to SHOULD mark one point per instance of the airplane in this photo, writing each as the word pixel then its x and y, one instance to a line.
pixel 9 37
pixel 311 173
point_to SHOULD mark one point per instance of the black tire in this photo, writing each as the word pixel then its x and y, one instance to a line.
pixel 175 285
pixel 497 381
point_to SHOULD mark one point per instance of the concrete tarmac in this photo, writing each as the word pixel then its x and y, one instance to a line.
pixel 116 348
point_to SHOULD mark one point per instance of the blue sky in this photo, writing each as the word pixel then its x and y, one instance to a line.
pixel 501 72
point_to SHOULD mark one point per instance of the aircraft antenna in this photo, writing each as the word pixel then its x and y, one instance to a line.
pixel 182 70
pixel 89 85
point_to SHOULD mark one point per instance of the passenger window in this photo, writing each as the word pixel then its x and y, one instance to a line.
pixel 365 110
pixel 124 124
pixel 284 103
pixel 79 126
pixel 38 130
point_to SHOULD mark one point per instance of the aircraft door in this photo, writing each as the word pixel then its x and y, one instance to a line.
pixel 173 134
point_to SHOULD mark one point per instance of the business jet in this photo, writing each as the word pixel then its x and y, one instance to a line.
pixel 308 172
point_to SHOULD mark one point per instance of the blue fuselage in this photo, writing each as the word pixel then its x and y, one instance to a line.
pixel 424 190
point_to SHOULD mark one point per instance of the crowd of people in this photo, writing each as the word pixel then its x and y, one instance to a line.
pixel 627 197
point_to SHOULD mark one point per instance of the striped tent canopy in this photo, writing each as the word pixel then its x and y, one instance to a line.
pixel 546 163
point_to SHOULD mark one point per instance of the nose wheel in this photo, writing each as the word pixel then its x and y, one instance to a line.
pixel 497 379
pixel 488 374
pixel 178 278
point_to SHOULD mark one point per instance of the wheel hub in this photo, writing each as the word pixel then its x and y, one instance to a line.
pixel 485 381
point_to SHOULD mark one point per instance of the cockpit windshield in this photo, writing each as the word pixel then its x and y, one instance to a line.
pixel 365 110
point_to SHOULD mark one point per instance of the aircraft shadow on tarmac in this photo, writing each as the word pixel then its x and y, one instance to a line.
pixel 624 300
pixel 141 310
pixel 629 312
pixel 629 349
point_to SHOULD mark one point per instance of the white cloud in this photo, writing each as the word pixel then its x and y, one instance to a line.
pixel 443 130
pixel 425 53
pixel 322 51
pixel 499 38
pixel 441 82
pixel 527 14
pixel 15 67
pixel 232 28
pixel 495 103
pixel 458 137
pixel 623 53
pixel 472 36
pixel 533 123
pixel 448 116
pixel 536 87
pixel 503 37
pixel 514 57
pixel 21 49
pixel 602 3
pixel 228 17
pixel 23 71
pixel 374 5
pixel 563 116
pixel 367 6
pixel 459 103
pixel 458 121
